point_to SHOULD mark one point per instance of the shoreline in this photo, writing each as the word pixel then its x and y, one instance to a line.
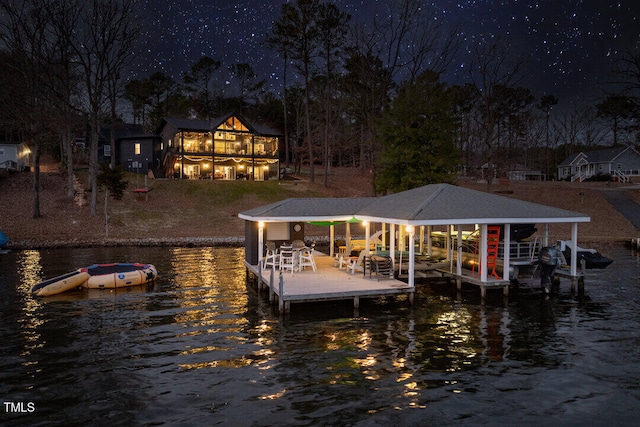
pixel 198 213
pixel 228 242
pixel 193 242
pixel 120 242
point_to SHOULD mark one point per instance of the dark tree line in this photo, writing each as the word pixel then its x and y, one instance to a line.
pixel 340 110
pixel 380 96
pixel 63 65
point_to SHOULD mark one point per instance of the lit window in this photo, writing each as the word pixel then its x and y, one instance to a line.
pixel 137 148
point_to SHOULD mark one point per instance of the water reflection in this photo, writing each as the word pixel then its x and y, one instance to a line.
pixel 200 346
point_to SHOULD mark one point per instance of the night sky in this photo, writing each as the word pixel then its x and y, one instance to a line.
pixel 570 42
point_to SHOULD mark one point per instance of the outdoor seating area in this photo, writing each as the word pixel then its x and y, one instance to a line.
pixel 297 256
pixel 325 283
pixel 288 257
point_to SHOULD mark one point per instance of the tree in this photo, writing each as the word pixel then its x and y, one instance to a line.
pixel 627 75
pixel 199 81
pixel 248 84
pixel 466 99
pixel 616 110
pixel 492 69
pixel 515 110
pixel 332 31
pixel 409 40
pixel 137 93
pixel 156 97
pixel 297 30
pixel 102 44
pixel 280 42
pixel 365 87
pixel 417 136
pixel 546 105
pixel 30 54
pixel 160 88
pixel 112 179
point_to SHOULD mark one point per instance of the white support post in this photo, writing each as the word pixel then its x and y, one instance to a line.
pixel 332 239
pixel 367 239
pixel 392 243
pixel 545 239
pixel 412 266
pixel 507 252
pixel 459 256
pixel 574 252
pixel 429 243
pixel 384 235
pixel 260 241
pixel 483 252
pixel 450 246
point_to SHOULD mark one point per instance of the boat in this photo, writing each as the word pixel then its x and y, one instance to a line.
pixel 591 257
pixel 98 276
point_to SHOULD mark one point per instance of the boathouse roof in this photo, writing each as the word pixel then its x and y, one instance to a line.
pixel 435 204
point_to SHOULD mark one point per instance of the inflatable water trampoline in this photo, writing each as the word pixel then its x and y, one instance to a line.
pixel 98 276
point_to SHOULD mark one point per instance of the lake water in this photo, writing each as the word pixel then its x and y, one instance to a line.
pixel 200 347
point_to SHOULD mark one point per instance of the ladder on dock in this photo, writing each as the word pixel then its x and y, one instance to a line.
pixel 493 247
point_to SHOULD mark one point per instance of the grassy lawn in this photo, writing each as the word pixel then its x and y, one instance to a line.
pixel 193 207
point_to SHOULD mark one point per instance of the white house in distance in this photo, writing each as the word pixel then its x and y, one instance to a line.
pixel 620 162
pixel 14 156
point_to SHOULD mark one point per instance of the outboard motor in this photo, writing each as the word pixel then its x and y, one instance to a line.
pixel 549 260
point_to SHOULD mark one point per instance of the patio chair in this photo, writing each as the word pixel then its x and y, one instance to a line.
pixel 359 264
pixel 306 259
pixel 341 260
pixel 287 259
pixel 383 267
pixel 297 244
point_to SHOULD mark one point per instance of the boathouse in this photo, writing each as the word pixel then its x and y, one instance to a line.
pixel 425 231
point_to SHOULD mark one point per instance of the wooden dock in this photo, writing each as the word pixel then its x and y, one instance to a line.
pixel 326 283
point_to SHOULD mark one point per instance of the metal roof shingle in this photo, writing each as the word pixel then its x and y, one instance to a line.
pixel 436 203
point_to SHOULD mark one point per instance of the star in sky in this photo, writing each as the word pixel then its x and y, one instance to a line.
pixel 570 43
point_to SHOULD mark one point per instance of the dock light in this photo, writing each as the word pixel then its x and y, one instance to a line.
pixel 365 223
pixel 410 229
pixel 260 224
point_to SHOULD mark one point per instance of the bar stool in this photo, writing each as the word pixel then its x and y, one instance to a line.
pixel 271 258
pixel 306 259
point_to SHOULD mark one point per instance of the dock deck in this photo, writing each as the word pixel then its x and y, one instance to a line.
pixel 328 282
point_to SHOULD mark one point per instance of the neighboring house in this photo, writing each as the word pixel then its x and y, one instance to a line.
pixel 522 173
pixel 14 156
pixel 620 162
pixel 135 151
pixel 226 148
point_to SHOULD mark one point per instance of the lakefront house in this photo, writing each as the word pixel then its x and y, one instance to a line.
pixel 621 163
pixel 226 148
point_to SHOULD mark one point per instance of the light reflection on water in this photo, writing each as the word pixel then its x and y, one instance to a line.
pixel 199 347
